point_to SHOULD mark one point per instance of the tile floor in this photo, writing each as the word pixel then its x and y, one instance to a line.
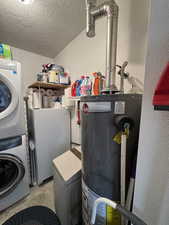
pixel 42 195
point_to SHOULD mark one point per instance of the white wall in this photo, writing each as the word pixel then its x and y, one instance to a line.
pixel 152 180
pixel 31 64
pixel 84 55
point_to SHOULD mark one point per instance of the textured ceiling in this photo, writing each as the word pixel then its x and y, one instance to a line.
pixel 45 27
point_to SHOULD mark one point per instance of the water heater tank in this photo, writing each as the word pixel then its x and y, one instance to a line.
pixel 100 152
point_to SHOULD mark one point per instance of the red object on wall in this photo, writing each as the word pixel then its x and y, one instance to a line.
pixel 161 95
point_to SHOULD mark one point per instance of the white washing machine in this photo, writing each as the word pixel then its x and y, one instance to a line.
pixel 12 121
pixel 14 174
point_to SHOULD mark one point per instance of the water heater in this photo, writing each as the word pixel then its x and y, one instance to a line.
pixel 101 153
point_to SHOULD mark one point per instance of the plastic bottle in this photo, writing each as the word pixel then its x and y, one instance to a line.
pixel 5 51
pixel 88 86
pixel 1 51
pixel 78 91
pixel 83 87
pixel 97 84
pixel 77 87
pixel 73 89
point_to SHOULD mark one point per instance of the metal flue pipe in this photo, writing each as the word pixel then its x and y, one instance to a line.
pixel 93 12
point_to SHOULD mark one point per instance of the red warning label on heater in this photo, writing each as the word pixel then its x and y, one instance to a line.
pixel 85 108
pixel 96 107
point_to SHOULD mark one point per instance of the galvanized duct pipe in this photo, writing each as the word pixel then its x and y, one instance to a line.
pixel 109 9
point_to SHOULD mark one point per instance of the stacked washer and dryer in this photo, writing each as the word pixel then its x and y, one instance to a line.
pixel 14 175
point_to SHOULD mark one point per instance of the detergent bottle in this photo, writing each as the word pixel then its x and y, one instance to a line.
pixel 78 91
pixel 83 87
pixel 5 51
pixel 73 89
pixel 96 85
pixel 78 87
pixel 88 86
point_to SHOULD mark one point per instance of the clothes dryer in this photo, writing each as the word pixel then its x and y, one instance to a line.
pixel 14 173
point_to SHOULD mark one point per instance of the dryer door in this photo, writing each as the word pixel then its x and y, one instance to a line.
pixel 11 173
pixel 8 96
pixel 12 169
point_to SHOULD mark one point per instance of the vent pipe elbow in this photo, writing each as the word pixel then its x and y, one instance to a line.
pixel 90 20
pixel 90 30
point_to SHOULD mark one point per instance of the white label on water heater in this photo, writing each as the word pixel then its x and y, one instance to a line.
pixel 119 107
pixel 96 106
